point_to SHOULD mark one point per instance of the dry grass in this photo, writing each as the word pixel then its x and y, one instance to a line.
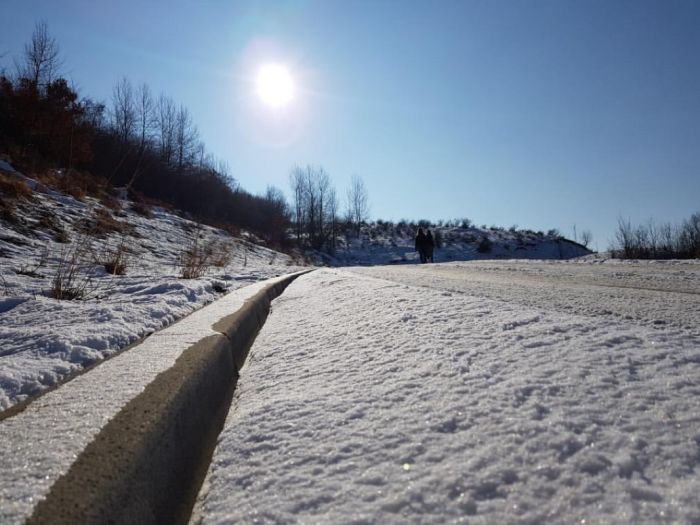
pixel 48 221
pixel 12 187
pixel 142 209
pixel 109 202
pixel 77 184
pixel 115 260
pixel 102 223
pixel 196 258
pixel 72 278
pixel 222 252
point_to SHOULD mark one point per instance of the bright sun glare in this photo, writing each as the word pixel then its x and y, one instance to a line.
pixel 275 86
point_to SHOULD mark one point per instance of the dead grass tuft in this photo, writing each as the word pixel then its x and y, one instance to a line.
pixel 115 260
pixel 142 209
pixel 196 258
pixel 14 188
pixel 73 274
pixel 77 184
pixel 102 223
pixel 222 252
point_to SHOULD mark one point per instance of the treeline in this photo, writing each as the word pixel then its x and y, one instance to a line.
pixel 316 215
pixel 148 144
pixel 657 241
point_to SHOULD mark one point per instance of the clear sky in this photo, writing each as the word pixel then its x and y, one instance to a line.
pixel 537 113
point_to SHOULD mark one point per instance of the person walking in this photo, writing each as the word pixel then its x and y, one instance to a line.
pixel 421 245
pixel 429 246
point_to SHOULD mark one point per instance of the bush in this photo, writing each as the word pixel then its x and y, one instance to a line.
pixel 485 245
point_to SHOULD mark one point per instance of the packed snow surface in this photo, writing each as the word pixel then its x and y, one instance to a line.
pixel 41 443
pixel 44 341
pixel 501 392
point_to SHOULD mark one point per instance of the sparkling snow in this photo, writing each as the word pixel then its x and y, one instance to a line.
pixel 500 392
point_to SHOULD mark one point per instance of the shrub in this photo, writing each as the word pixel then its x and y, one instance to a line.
pixel 485 245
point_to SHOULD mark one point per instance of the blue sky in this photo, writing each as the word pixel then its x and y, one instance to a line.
pixel 537 113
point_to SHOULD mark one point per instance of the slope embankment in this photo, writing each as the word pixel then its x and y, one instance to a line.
pixel 129 442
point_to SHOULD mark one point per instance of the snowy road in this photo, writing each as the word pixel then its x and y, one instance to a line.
pixel 469 393
pixel 659 292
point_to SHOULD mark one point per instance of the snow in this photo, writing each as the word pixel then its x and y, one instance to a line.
pixel 41 443
pixel 44 341
pixel 516 392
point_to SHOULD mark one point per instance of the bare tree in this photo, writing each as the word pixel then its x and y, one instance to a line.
pixel 185 136
pixel 199 152
pixel 144 113
pixel 332 219
pixel 586 237
pixel 41 58
pixel 123 110
pixel 296 181
pixel 315 205
pixel 144 119
pixel 166 116
pixel 358 203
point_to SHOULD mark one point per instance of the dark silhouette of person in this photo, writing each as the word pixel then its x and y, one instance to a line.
pixel 429 246
pixel 421 245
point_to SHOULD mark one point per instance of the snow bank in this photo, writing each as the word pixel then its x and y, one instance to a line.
pixel 370 400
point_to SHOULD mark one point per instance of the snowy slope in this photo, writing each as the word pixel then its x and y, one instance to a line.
pixel 381 395
pixel 43 341
pixel 387 245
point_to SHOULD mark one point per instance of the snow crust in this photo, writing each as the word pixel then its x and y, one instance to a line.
pixel 44 341
pixel 41 443
pixel 465 394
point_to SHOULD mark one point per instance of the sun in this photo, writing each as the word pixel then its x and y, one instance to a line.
pixel 275 86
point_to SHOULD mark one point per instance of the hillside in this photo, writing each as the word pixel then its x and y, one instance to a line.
pixel 394 244
pixel 121 262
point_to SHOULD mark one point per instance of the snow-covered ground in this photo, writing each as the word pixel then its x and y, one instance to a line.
pixel 44 341
pixel 503 392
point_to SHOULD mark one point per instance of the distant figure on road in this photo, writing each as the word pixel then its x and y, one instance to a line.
pixel 429 246
pixel 421 245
